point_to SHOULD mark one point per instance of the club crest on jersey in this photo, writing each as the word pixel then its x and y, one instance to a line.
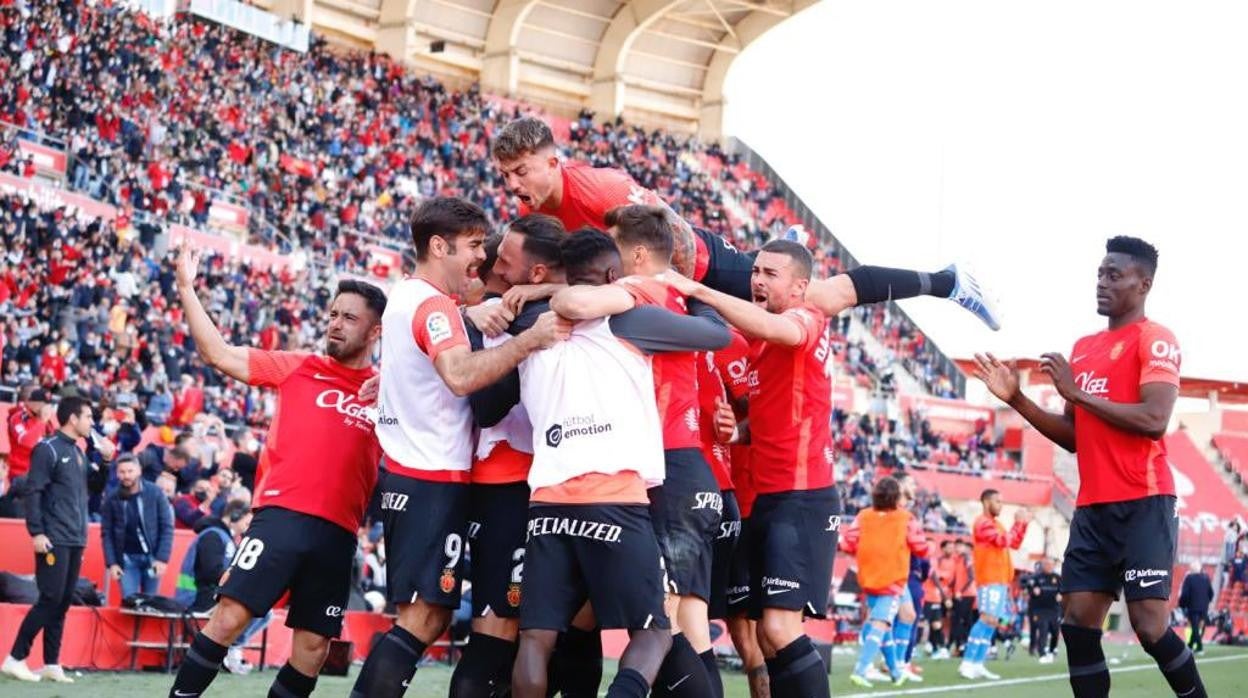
pixel 513 595
pixel 438 326
pixel 1116 351
pixel 447 582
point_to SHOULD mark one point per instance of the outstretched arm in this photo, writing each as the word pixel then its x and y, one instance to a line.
pixel 212 347
pixel 1002 381
pixel 752 320
pixel 592 302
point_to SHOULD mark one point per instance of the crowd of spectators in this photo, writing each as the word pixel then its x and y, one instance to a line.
pixel 326 149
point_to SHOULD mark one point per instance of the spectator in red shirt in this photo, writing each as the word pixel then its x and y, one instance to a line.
pixel 188 401
pixel 28 424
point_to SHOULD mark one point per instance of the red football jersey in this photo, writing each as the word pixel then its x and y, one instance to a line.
pixel 320 456
pixel 675 373
pixel 590 192
pixel 710 391
pixel 790 408
pixel 1115 465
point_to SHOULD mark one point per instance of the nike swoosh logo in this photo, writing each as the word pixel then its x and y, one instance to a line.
pixel 1145 585
pixel 1079 358
pixel 739 599
pixel 684 679
pixel 773 592
pixel 180 693
pixel 322 377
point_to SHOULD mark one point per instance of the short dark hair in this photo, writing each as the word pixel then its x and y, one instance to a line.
pixel 648 226
pixel 180 453
pixel 492 241
pixel 543 236
pixel 446 217
pixel 70 407
pixel 235 510
pixel 885 494
pixel 525 135
pixel 1143 253
pixel 373 297
pixel 987 494
pixel 583 248
pixel 796 252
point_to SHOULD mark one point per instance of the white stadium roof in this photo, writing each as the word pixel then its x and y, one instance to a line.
pixel 654 61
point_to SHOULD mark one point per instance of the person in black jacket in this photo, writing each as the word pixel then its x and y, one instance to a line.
pixel 136 530
pixel 56 516
pixel 1194 599
pixel 214 552
pixel 1044 610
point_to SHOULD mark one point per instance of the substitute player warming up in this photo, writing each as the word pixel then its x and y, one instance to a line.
pixel 1120 386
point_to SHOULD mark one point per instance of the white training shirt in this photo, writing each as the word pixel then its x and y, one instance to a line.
pixel 425 430
pixel 591 402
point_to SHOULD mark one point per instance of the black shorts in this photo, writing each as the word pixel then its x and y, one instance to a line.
pixel 729 268
pixel 426 524
pixel 686 511
pixel 934 612
pixel 604 553
pixel 1121 545
pixel 721 559
pixel 792 540
pixel 286 550
pixel 737 593
pixel 497 517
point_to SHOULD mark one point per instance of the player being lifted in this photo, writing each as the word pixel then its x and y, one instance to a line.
pixel 424 426
pixel 1120 386
pixel 316 475
pixel 793 528
pixel 580 196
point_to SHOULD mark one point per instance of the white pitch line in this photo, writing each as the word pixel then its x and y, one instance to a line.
pixel 1030 679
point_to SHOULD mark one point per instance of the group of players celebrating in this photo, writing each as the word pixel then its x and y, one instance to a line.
pixel 631 430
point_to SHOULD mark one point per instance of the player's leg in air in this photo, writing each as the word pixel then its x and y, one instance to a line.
pixel 728 269
pixel 992 605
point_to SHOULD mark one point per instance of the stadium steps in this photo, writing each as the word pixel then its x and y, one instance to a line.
pixel 906 382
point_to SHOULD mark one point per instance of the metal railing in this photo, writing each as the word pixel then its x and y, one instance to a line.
pixel 941 362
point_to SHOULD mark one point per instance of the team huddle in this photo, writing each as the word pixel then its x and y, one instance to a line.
pixel 625 422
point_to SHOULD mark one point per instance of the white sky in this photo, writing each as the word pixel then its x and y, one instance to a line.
pixel 1019 136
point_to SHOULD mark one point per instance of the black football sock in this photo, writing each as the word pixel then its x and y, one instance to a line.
pixel 1178 664
pixel 390 666
pixel 576 668
pixel 797 671
pixel 291 683
pixel 712 673
pixel 199 667
pixel 879 284
pixel 682 674
pixel 484 667
pixel 1089 675
pixel 628 683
